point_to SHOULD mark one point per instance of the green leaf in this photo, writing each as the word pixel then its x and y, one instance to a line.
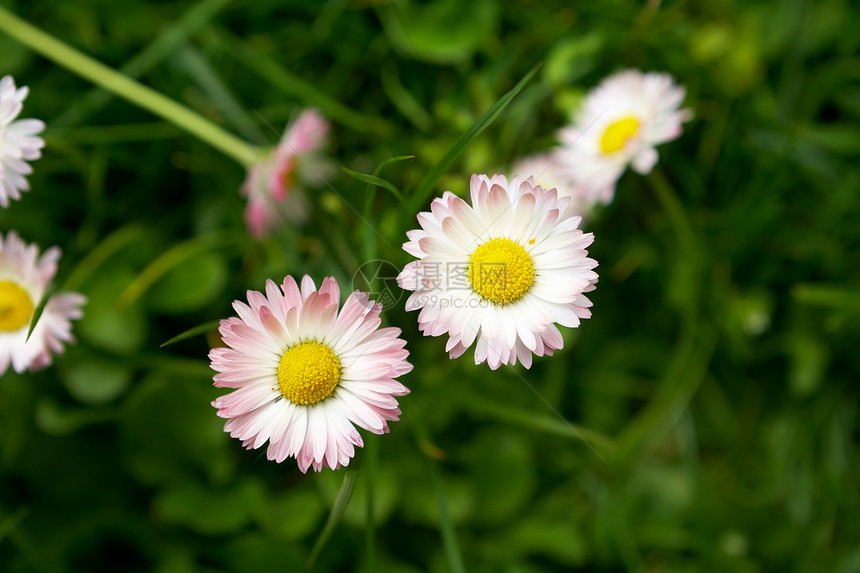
pixel 441 32
pixel 104 324
pixel 107 248
pixel 374 180
pixel 56 420
pixel 572 58
pixel 425 187
pixel 190 286
pixel 180 254
pixel 94 380
pixel 508 452
pixel 338 509
pixel 206 510
pixel 169 432
pixel 291 515
pixel 192 332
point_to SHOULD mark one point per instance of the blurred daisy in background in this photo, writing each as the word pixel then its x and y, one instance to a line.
pixel 548 173
pixel 620 123
pixel 273 186
pixel 500 272
pixel 24 279
pixel 304 373
pixel 18 141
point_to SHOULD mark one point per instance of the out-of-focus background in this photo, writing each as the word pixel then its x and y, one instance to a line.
pixel 716 385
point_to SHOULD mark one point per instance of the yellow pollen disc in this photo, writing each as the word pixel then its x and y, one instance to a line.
pixel 308 373
pixel 617 134
pixel 501 270
pixel 16 308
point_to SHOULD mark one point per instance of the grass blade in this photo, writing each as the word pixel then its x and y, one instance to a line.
pixel 404 101
pixel 271 71
pixel 338 509
pixel 827 296
pixel 369 242
pixel 37 313
pixel 479 404
pixel 449 537
pixel 425 187
pixel 199 68
pixel 374 180
pixel 390 160
pixel 157 51
pixel 192 332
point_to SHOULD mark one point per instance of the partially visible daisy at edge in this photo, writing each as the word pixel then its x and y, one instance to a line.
pixel 499 273
pixel 274 184
pixel 620 123
pixel 18 142
pixel 24 279
pixel 304 373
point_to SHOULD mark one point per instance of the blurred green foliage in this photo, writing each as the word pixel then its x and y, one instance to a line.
pixel 716 385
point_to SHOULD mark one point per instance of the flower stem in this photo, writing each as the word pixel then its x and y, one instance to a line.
pixel 123 86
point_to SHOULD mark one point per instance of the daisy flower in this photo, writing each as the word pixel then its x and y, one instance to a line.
pixel 620 123
pixel 304 373
pixel 500 272
pixel 18 142
pixel 272 186
pixel 24 279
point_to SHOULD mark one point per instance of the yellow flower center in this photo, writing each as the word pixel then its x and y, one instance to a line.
pixel 308 373
pixel 617 134
pixel 16 308
pixel 501 270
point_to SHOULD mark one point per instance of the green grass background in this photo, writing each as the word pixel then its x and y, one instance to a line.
pixel 716 384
